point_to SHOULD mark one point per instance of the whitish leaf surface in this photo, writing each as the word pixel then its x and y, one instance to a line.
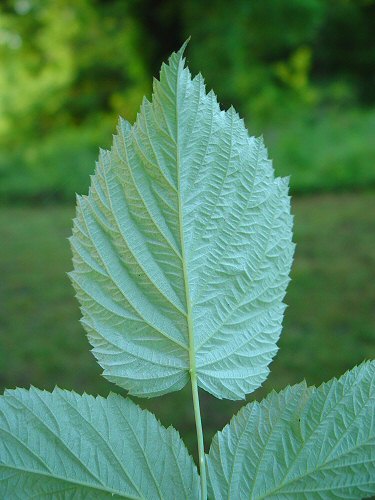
pixel 61 445
pixel 302 443
pixel 182 249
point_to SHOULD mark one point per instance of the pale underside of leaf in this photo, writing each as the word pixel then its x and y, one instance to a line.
pixel 303 443
pixel 61 445
pixel 182 249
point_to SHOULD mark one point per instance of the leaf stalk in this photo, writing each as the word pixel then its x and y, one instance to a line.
pixel 198 425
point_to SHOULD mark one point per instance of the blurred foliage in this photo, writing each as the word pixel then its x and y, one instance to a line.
pixel 250 52
pixel 69 68
pixel 300 71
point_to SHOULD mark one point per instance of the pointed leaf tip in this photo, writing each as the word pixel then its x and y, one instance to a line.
pixel 183 46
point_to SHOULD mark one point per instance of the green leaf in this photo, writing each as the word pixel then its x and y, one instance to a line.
pixel 182 249
pixel 62 445
pixel 313 443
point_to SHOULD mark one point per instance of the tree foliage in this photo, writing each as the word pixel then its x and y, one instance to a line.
pixel 70 68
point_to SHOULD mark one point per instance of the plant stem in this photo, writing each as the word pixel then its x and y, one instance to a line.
pixel 198 425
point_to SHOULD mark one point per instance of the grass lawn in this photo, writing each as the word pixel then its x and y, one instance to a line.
pixel 329 324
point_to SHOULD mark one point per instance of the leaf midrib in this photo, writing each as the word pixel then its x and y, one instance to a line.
pixel 286 481
pixel 64 444
pixel 189 315
pixel 70 481
pixel 114 281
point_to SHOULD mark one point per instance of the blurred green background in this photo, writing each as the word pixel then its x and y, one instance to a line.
pixel 302 72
